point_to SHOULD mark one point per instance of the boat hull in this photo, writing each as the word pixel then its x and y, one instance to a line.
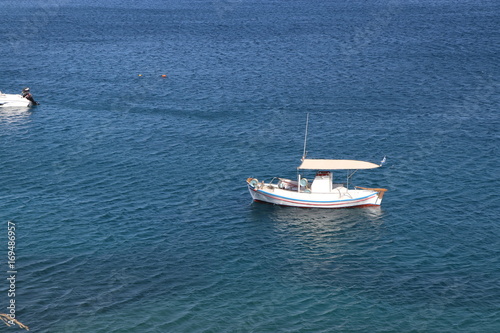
pixel 336 199
pixel 12 100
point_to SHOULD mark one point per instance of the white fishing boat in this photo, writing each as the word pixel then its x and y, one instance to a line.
pixel 17 100
pixel 323 191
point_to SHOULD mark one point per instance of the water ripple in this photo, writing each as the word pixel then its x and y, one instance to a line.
pixel 128 192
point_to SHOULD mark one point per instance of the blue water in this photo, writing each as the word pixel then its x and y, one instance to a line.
pixel 128 192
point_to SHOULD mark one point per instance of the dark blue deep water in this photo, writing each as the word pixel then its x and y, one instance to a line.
pixel 128 189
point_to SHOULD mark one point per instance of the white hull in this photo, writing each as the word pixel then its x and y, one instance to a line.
pixel 12 100
pixel 339 197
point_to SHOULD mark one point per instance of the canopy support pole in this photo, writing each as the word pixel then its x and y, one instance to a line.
pixel 349 176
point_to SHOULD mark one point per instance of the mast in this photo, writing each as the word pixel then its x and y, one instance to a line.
pixel 303 154
pixel 305 138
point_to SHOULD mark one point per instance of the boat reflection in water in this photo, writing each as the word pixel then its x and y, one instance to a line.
pixel 322 221
pixel 14 115
pixel 331 247
pixel 318 225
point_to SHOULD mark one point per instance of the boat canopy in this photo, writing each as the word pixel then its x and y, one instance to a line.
pixel 320 164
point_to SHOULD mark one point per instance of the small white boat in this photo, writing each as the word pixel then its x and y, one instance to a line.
pixel 322 192
pixel 17 100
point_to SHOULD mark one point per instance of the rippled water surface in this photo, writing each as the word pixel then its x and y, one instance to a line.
pixel 128 188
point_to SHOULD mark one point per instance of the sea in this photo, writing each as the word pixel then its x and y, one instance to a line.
pixel 123 197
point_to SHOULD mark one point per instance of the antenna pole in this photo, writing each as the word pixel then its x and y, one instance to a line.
pixel 305 138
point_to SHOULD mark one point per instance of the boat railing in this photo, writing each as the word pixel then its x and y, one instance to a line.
pixel 272 180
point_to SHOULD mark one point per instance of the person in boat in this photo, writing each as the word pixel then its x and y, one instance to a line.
pixel 26 94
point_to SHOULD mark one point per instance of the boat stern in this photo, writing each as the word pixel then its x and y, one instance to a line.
pixel 380 193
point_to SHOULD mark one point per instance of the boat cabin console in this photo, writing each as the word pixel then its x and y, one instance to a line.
pixel 323 182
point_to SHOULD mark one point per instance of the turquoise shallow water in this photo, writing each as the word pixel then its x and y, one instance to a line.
pixel 128 192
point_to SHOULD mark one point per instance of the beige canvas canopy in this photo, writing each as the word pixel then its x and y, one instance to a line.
pixel 320 164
